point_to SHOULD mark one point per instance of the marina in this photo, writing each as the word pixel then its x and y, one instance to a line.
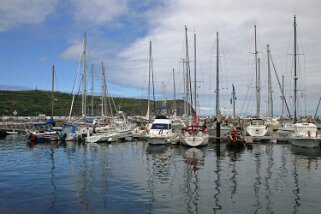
pixel 160 107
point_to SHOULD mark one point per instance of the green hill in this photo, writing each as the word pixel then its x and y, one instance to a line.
pixel 35 102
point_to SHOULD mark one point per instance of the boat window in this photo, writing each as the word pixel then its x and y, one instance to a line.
pixel 257 122
pixel 160 126
pixel 67 129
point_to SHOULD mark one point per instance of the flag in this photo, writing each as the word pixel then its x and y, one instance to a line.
pixel 195 118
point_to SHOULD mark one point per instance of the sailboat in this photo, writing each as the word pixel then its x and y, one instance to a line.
pixel 257 127
pixel 46 134
pixel 116 127
pixel 304 134
pixel 194 134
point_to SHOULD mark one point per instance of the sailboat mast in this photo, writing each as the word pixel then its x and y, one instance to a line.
pixel 153 83
pixel 149 76
pixel 92 90
pixel 258 87
pixel 52 90
pixel 233 99
pixel 270 101
pixel 84 79
pixel 295 72
pixel 195 104
pixel 174 88
pixel 217 77
pixel 185 87
pixel 283 98
pixel 103 89
pixel 188 72
pixel 257 75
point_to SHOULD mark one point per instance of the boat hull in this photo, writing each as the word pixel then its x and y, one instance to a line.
pixel 256 131
pixel 195 140
pixel 308 142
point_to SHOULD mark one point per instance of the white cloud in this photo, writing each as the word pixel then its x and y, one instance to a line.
pixel 234 20
pixel 74 51
pixel 17 12
pixel 98 11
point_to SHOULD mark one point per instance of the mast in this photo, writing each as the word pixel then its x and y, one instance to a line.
pixel 52 90
pixel 195 104
pixel 258 87
pixel 295 72
pixel 188 71
pixel 233 99
pixel 217 77
pixel 185 86
pixel 270 101
pixel 84 79
pixel 174 88
pixel 257 77
pixel 149 76
pixel 103 90
pixel 283 98
pixel 218 122
pixel 153 84
pixel 92 90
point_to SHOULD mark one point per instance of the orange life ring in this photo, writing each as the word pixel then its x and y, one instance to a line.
pixel 160 132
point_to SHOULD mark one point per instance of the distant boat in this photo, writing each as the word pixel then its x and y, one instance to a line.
pixel 41 137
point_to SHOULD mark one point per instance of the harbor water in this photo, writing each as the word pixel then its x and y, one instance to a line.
pixel 134 177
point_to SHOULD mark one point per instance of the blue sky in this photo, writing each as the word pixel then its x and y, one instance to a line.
pixel 35 34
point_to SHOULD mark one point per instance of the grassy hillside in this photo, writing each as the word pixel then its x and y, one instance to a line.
pixel 35 102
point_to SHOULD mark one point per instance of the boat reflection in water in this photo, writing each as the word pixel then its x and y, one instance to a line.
pixel 134 177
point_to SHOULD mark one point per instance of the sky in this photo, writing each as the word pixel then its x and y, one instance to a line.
pixel 36 34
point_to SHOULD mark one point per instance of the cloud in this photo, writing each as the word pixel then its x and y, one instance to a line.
pixel 74 51
pixel 234 20
pixel 43 59
pixel 17 12
pixel 98 12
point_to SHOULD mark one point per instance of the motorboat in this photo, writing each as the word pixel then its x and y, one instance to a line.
pixel 305 135
pixel 161 131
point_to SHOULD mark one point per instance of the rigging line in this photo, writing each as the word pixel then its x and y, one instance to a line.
pixel 249 85
pixel 280 86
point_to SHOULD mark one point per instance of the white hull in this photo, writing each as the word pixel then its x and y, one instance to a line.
pixel 305 135
pixel 257 130
pixel 107 137
pixel 195 140
pixel 161 132
pixel 309 142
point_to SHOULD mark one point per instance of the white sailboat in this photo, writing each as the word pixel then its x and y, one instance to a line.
pixel 304 134
pixel 257 128
pixel 118 127
pixel 194 135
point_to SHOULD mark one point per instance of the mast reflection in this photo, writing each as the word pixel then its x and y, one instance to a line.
pixel 194 159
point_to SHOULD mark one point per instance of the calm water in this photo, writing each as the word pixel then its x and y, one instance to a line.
pixel 134 177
